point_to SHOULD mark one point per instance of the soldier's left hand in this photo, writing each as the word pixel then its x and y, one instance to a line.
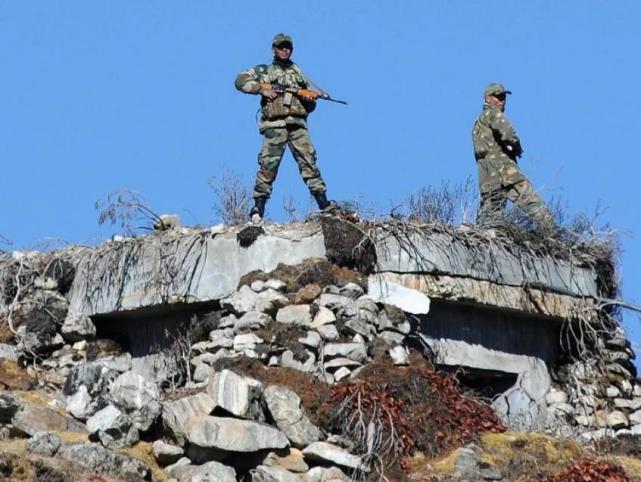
pixel 309 95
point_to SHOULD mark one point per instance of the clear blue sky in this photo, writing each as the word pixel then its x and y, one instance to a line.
pixel 99 95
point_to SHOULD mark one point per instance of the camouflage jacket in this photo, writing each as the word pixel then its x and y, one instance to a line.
pixel 496 149
pixel 285 109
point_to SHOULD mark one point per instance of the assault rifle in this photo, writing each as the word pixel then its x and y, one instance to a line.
pixel 307 94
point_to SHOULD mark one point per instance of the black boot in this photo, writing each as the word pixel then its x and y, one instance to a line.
pixel 258 211
pixel 321 199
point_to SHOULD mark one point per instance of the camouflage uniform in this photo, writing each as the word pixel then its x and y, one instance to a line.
pixel 283 122
pixel 496 149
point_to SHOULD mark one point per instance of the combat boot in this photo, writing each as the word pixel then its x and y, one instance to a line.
pixel 258 211
pixel 323 203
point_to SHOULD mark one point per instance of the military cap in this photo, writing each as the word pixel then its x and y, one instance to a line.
pixel 496 89
pixel 282 38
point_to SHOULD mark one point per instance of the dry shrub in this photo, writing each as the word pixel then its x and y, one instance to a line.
pixel 412 409
pixel 232 198
pixel 450 204
pixel 588 470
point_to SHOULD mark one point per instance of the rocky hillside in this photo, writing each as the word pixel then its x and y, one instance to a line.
pixel 301 372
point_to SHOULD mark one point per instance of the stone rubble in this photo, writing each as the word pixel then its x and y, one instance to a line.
pixel 117 399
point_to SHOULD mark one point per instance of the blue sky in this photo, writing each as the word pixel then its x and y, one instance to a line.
pixel 101 95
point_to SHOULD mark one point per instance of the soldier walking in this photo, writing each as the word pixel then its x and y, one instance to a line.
pixel 496 149
pixel 284 110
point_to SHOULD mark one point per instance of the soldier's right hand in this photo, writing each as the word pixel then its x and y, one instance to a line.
pixel 268 93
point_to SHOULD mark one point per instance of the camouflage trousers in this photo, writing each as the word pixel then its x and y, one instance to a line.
pixel 520 193
pixel 300 144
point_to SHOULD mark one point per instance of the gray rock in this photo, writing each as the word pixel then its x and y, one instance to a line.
pixel 635 418
pixel 156 368
pixel 555 396
pixel 233 435
pixel 324 316
pixel 247 341
pixel 270 300
pixel 392 337
pixel 612 392
pixel 9 406
pixel 399 355
pixel 351 290
pixel 328 332
pixel 166 454
pixel 175 414
pixel 636 429
pixel 288 360
pixel 341 373
pixel 44 443
pixel 354 351
pixel 291 460
pixel 235 394
pixel 207 472
pixel 311 339
pixel 275 284
pixel 227 322
pixel 40 343
pixel 32 418
pixel 80 404
pixel 326 474
pixel 336 363
pixel 294 315
pixel 202 373
pixel 466 463
pixel 252 320
pixel 94 376
pixel 241 302
pixel 358 327
pixel 182 462
pixel 8 351
pixel 341 306
pixel 284 406
pixel 165 222
pixel 118 363
pixel 139 398
pixel 211 358
pixel 113 428
pixel 95 457
pixel 324 452
pixel 257 286
pixel 631 405
pixel 77 326
pixel 264 473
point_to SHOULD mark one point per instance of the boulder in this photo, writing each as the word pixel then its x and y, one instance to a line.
pixel 247 341
pixel 399 355
pixel 324 316
pixel 235 394
pixel 32 418
pixel 77 326
pixel 291 460
pixel 252 320
pixel 95 457
pixel 327 453
pixel 233 435
pixel 284 405
pixel 264 473
pixel 294 315
pixel 139 398
pixel 207 472
pixel 326 474
pixel 328 332
pixel 176 413
pixel 354 351
pixel 289 360
pixel 44 443
pixel 166 454
pixel 113 428
pixel 341 306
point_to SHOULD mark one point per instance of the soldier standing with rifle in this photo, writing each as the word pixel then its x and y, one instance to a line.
pixel 285 103
pixel 496 149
